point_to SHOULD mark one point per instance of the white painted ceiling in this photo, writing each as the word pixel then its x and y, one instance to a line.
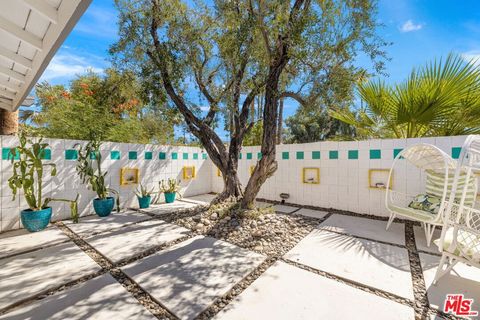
pixel 31 31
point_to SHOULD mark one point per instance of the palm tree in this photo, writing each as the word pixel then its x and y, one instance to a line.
pixel 440 99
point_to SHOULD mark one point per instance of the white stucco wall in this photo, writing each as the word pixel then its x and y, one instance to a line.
pixel 67 182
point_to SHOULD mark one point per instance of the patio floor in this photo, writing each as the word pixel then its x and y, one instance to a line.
pixel 134 265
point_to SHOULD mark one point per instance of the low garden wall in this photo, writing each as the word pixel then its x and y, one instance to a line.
pixel 343 169
pixel 154 163
pixel 341 175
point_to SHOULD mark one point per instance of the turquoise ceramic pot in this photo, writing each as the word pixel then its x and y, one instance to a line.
pixel 170 197
pixel 36 220
pixel 144 202
pixel 103 207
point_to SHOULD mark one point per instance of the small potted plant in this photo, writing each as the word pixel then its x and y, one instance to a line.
pixel 28 176
pixel 93 175
pixel 144 196
pixel 170 189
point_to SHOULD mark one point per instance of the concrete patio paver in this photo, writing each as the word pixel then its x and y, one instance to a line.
pixel 312 213
pixel 421 240
pixel 462 279
pixel 364 227
pixel 371 263
pixel 163 208
pixel 287 292
pixel 201 198
pixel 134 239
pixel 95 224
pixel 18 241
pixel 284 209
pixel 101 298
pixel 188 277
pixel 31 273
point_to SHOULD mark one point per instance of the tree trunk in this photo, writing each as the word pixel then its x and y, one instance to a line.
pixel 8 122
pixel 280 122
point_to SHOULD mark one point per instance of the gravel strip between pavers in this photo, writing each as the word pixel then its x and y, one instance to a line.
pixel 142 296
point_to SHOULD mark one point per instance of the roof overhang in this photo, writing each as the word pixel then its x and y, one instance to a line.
pixel 31 31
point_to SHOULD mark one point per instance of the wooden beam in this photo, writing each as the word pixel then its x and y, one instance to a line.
pixel 21 34
pixel 13 74
pixel 6 106
pixel 7 94
pixel 9 85
pixel 15 57
pixel 44 9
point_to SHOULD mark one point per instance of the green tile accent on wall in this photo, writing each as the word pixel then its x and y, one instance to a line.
pixel 71 154
pixel 162 156
pixel 174 155
pixel 249 156
pixel 185 156
pixel 204 156
pixel 132 155
pixel 285 155
pixel 352 154
pixel 300 155
pixel 46 154
pixel 6 155
pixel 148 155
pixel 375 154
pixel 333 154
pixel 259 155
pixel 315 155
pixel 456 152
pixel 195 156
pixel 115 155
pixel 93 156
pixel 396 152
pixel 240 156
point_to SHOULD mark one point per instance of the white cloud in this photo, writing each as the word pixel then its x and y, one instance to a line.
pixel 204 108
pixel 65 66
pixel 473 55
pixel 410 26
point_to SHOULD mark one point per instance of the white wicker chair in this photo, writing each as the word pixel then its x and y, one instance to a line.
pixel 460 239
pixel 439 171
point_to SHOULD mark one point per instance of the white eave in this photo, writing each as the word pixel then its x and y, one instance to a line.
pixel 31 31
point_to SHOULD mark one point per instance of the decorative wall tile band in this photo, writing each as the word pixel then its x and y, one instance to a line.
pixel 148 155
pixel 249 156
pixel 71 154
pixel 6 155
pixel 204 156
pixel 375 154
pixel 162 156
pixel 132 155
pixel 115 155
pixel 315 155
pixel 352 154
pixel 174 155
pixel 300 155
pixel 333 154
pixel 285 155
pixel 185 156
pixel 456 152
pixel 195 156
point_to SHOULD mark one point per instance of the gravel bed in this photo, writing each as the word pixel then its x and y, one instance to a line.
pixel 270 234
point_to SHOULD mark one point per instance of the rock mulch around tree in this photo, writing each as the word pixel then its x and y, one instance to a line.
pixel 268 232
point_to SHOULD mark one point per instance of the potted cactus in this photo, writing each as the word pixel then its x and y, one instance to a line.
pixel 93 175
pixel 170 189
pixel 144 196
pixel 28 170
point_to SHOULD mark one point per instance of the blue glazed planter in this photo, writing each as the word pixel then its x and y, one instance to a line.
pixel 103 207
pixel 170 197
pixel 36 220
pixel 144 202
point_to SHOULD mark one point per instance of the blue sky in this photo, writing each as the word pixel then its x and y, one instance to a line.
pixel 420 31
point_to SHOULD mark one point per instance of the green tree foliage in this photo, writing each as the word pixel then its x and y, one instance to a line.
pixel 254 136
pixel 111 106
pixel 315 124
pixel 440 99
pixel 230 52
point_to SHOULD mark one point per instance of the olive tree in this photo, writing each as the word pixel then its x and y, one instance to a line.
pixel 230 52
